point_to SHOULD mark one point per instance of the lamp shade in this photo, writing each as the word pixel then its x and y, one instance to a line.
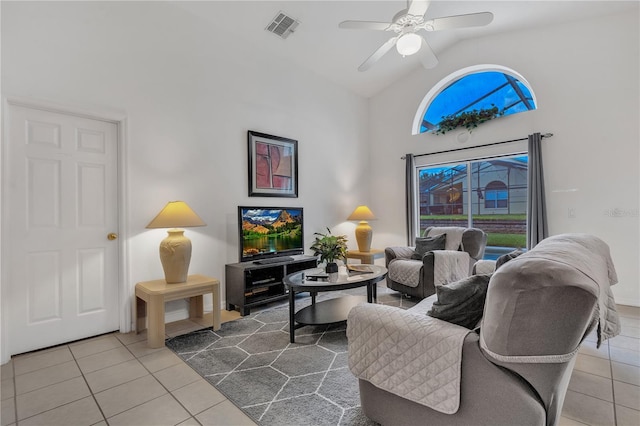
pixel 408 44
pixel 362 213
pixel 176 214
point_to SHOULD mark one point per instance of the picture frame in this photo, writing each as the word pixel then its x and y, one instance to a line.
pixel 273 165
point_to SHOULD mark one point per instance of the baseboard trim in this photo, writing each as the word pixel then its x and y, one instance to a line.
pixel 627 302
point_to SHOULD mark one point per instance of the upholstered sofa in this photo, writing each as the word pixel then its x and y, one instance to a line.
pixel 417 277
pixel 514 368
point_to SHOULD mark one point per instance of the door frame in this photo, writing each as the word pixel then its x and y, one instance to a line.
pixel 118 118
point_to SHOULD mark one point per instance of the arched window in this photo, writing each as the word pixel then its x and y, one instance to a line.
pixel 496 195
pixel 481 87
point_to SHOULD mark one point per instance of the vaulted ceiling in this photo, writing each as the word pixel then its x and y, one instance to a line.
pixel 319 45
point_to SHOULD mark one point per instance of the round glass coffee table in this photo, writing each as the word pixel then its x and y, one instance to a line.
pixel 332 310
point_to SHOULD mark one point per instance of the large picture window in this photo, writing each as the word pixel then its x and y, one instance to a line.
pixel 490 194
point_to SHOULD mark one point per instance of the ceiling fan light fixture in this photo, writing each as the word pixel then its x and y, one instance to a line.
pixel 408 44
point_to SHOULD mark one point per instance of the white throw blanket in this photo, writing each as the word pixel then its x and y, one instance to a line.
pixel 454 236
pixel 596 263
pixel 449 266
pixel 397 350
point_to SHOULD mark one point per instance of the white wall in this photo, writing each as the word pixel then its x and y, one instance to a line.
pixel 189 97
pixel 586 83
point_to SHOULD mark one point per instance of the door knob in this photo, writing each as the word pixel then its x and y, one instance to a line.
pixel 112 236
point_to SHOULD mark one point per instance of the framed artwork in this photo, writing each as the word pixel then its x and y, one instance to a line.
pixel 273 166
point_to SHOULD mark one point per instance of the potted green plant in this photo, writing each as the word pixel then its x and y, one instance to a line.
pixel 330 248
pixel 468 119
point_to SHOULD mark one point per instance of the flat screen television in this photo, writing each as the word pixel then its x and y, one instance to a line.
pixel 269 232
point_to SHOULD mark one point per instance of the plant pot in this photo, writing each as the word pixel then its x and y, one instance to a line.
pixel 331 268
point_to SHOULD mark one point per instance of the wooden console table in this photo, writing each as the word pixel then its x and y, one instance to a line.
pixel 366 257
pixel 152 295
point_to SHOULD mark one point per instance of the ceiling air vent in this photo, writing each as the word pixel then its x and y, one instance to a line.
pixel 282 25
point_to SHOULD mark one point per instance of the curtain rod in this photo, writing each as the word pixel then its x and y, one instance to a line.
pixel 546 135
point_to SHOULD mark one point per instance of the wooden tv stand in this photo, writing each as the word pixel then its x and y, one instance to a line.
pixel 250 284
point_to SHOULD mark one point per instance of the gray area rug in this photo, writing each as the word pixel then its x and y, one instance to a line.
pixel 275 382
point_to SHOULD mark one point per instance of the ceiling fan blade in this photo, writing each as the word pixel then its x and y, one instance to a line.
pixel 364 25
pixel 427 56
pixel 461 21
pixel 378 54
pixel 418 7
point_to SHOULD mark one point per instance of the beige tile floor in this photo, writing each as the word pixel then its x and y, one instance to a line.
pixel 116 379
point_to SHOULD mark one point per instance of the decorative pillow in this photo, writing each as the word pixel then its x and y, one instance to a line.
pixel 461 302
pixel 507 257
pixel 427 244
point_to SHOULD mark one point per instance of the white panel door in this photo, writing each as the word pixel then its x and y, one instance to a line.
pixel 61 205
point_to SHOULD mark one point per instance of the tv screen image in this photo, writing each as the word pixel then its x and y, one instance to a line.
pixel 270 231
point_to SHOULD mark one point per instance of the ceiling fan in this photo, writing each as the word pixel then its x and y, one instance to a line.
pixel 406 25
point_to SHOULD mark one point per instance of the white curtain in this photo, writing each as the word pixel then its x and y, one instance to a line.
pixel 537 229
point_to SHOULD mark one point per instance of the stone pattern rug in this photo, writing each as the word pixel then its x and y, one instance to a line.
pixel 251 361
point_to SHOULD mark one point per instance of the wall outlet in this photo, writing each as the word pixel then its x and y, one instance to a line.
pixel 572 213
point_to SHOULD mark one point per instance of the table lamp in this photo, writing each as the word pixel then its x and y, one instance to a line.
pixel 175 250
pixel 364 233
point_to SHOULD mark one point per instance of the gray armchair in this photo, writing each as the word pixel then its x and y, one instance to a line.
pixel 515 369
pixel 416 277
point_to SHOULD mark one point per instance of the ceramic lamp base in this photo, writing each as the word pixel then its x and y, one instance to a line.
pixel 175 255
pixel 364 235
